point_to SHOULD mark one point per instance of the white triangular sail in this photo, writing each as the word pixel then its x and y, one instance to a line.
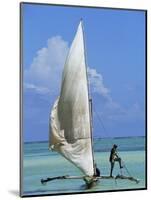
pixel 70 133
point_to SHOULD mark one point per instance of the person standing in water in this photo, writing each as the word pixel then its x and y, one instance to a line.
pixel 114 158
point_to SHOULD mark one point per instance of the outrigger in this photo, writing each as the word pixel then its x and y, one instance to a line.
pixel 90 184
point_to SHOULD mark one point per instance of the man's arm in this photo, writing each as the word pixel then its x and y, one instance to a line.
pixel 116 154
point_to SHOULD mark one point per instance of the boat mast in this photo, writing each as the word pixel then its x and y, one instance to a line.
pixel 89 97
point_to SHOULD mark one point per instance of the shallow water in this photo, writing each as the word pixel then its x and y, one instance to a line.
pixel 39 163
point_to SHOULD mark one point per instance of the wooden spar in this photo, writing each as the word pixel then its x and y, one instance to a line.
pixel 88 88
pixel 91 127
pixel 128 178
pixel 43 181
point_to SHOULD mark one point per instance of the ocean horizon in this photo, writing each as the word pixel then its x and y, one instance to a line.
pixel 96 138
pixel 140 145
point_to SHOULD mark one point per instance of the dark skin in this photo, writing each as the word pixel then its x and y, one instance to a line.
pixel 114 158
pixel 97 171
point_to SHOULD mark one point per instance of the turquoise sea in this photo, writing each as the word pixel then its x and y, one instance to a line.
pixel 39 162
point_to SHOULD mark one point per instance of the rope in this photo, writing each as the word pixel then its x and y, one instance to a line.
pixel 124 165
pixel 126 168
pixel 101 122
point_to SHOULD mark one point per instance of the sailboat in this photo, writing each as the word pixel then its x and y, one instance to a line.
pixel 71 116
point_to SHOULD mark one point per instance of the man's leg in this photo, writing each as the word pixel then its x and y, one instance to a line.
pixel 112 166
pixel 119 161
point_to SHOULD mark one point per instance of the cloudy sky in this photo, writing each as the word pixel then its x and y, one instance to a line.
pixel 115 48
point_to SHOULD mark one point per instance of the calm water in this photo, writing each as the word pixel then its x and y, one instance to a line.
pixel 39 163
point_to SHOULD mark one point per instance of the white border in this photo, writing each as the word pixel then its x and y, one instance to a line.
pixel 9 99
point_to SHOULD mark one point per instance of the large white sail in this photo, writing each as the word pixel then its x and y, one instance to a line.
pixel 70 133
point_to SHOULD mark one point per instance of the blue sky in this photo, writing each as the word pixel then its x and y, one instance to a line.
pixel 115 48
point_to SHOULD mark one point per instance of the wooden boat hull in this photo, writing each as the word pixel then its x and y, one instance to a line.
pixel 90 182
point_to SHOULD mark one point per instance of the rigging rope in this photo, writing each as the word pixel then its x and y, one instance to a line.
pixel 124 165
pixel 101 122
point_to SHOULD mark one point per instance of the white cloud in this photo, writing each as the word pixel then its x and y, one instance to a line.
pixel 37 89
pixel 46 69
pixel 97 86
pixel 96 80
pixel 44 77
